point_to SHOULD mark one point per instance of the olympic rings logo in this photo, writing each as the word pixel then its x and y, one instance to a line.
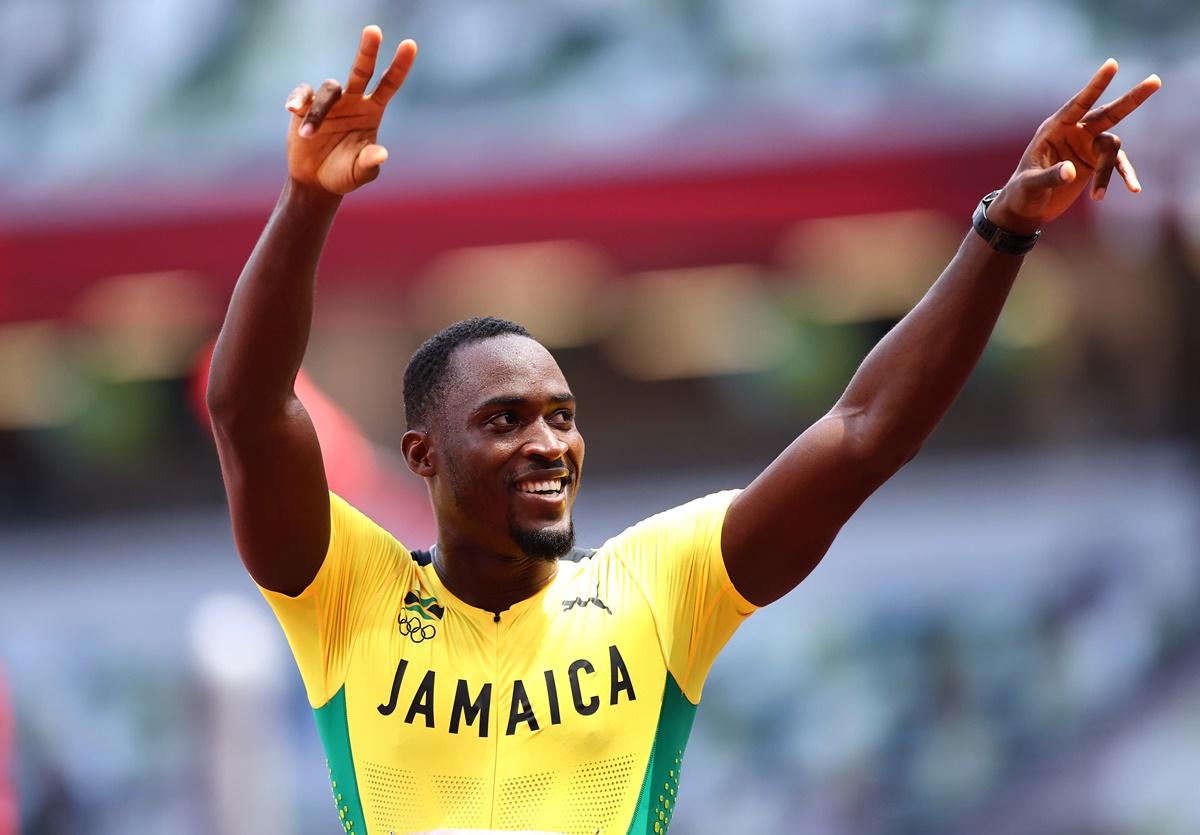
pixel 415 630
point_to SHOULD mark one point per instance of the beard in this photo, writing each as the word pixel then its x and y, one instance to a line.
pixel 544 543
pixel 536 543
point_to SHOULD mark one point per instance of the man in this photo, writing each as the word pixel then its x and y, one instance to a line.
pixel 503 679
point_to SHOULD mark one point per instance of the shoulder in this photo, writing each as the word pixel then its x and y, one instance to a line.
pixel 348 522
pixel 703 512
pixel 362 548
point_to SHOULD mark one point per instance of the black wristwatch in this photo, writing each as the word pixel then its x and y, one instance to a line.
pixel 998 239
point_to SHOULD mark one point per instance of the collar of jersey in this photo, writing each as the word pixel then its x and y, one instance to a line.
pixel 450 599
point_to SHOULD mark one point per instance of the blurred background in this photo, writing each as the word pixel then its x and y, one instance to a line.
pixel 709 210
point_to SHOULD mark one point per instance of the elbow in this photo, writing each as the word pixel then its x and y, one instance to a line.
pixel 218 392
pixel 878 449
pixel 231 396
pixel 229 405
pixel 218 399
pixel 235 413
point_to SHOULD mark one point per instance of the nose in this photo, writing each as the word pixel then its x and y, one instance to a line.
pixel 543 441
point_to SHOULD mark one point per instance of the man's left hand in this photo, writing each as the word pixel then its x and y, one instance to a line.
pixel 1071 148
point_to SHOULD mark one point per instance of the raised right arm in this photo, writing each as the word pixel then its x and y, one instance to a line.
pixel 270 457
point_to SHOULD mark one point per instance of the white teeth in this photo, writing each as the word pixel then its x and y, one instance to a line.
pixel 551 486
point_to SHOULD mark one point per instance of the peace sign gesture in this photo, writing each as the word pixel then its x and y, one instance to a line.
pixel 1068 149
pixel 331 140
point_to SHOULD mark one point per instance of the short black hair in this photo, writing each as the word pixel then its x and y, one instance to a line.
pixel 425 376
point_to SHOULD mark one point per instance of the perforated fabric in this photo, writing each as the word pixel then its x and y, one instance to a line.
pixel 392 794
pixel 462 800
pixel 598 794
pixel 522 800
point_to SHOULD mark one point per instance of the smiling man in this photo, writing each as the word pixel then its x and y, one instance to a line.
pixel 504 679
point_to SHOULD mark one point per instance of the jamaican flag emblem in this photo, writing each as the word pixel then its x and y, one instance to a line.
pixel 417 616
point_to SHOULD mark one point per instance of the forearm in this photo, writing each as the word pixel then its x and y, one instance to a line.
pixel 910 379
pixel 266 329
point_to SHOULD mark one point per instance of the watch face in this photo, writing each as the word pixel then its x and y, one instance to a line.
pixel 982 225
pixel 997 238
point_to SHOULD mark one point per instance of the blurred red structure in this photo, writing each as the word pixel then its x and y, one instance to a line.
pixel 9 822
pixel 642 221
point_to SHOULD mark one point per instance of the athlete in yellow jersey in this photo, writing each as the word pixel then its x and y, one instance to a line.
pixel 568 711
pixel 504 680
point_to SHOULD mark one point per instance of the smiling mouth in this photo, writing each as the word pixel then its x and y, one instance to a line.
pixel 545 487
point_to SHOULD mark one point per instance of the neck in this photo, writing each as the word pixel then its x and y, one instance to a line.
pixel 489 580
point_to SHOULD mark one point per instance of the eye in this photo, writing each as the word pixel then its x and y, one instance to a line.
pixel 503 419
pixel 564 418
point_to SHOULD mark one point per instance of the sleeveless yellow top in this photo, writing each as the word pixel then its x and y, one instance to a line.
pixel 569 712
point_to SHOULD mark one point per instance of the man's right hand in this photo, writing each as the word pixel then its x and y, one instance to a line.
pixel 270 455
pixel 331 140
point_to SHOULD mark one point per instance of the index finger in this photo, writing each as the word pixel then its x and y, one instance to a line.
pixel 1082 102
pixel 364 61
pixel 406 53
pixel 1103 118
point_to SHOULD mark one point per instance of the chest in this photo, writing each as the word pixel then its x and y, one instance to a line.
pixel 564 675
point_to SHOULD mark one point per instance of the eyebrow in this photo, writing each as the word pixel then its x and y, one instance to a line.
pixel 515 400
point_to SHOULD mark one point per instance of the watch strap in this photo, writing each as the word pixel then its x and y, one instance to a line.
pixel 999 239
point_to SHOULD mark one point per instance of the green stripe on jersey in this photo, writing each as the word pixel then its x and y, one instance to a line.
pixel 335 737
pixel 660 786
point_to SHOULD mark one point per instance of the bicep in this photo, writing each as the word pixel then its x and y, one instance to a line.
pixel 778 529
pixel 278 495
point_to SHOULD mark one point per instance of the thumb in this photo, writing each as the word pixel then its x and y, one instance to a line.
pixel 366 164
pixel 1052 177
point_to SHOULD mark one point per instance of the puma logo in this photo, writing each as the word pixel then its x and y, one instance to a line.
pixel 568 605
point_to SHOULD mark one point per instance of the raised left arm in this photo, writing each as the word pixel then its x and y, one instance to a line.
pixel 780 527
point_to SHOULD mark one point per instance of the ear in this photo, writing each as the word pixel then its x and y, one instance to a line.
pixel 418 454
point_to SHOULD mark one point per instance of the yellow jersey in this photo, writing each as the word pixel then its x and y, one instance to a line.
pixel 568 712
